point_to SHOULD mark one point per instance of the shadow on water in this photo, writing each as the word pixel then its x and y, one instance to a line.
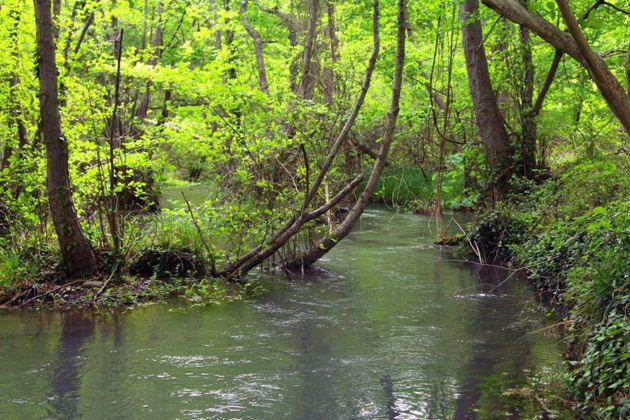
pixel 77 329
pixel 493 360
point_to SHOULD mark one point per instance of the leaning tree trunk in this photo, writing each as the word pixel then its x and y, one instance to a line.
pixel 76 251
pixel 258 255
pixel 574 44
pixel 616 97
pixel 320 248
pixel 489 120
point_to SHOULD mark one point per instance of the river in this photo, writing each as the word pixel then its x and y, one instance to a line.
pixel 392 327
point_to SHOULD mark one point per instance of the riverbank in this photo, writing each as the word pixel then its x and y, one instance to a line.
pixel 126 291
pixel 574 247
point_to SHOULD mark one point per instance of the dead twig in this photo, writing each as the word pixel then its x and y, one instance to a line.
pixel 473 244
pixel 102 289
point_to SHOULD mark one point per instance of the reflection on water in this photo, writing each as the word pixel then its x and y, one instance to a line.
pixel 391 329
pixel 69 364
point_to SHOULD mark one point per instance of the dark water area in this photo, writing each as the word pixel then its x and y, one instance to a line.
pixel 391 328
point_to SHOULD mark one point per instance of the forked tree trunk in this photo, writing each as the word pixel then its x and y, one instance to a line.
pixel 573 44
pixel 258 255
pixel 489 120
pixel 76 251
pixel 612 91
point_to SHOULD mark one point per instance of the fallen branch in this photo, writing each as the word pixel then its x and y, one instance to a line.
pixel 56 289
pixel 286 233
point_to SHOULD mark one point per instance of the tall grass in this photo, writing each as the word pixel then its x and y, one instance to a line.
pixel 401 186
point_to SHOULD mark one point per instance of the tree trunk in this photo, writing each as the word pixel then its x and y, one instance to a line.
pixel 576 46
pixel 489 121
pixel 307 83
pixel 320 248
pixel 517 13
pixel 76 251
pixel 527 151
pixel 551 74
pixel 258 49
pixel 293 226
pixel 293 29
pixel 156 43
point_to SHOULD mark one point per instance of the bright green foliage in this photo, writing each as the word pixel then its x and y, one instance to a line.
pixel 252 154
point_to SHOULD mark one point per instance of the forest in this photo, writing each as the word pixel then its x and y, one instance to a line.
pixel 161 149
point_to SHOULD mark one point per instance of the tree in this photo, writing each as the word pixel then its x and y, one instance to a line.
pixel 258 49
pixel 259 254
pixel 76 251
pixel 494 136
pixel 574 44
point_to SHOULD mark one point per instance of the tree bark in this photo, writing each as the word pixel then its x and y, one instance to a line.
pixel 320 248
pixel 576 46
pixel 551 74
pixel 517 13
pixel 76 251
pixel 489 120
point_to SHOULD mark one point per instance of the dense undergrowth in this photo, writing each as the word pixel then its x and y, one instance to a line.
pixel 196 230
pixel 571 235
pixel 414 188
pixel 174 252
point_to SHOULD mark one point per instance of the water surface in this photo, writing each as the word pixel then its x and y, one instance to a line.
pixel 392 329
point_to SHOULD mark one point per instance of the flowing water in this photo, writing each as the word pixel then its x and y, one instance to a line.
pixel 393 328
